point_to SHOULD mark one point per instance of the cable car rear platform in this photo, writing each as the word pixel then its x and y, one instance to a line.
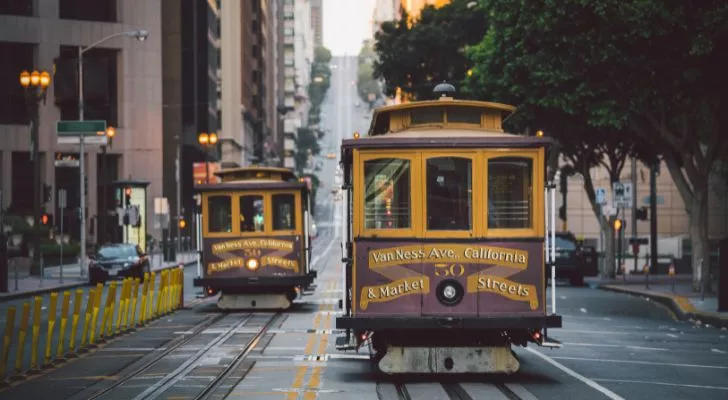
pixel 448 322
pixel 256 281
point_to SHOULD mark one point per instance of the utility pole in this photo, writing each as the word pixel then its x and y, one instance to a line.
pixel 654 170
pixel 178 173
pixel 634 207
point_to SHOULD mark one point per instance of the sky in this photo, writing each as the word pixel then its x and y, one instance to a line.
pixel 346 25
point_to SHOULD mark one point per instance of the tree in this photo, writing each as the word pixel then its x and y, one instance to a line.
pixel 366 84
pixel 432 50
pixel 651 69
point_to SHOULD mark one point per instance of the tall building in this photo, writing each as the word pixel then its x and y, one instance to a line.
pixel 317 22
pixel 247 51
pixel 122 86
pixel 384 10
pixel 191 77
pixel 298 48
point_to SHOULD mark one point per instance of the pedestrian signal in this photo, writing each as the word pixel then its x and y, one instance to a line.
pixel 617 224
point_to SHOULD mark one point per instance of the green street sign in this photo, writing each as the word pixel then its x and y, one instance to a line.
pixel 78 128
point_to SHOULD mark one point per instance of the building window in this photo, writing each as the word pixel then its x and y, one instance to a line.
pixel 88 10
pixel 387 194
pixel 449 194
pixel 99 84
pixel 17 7
pixel 219 209
pixel 284 212
pixel 251 213
pixel 14 58
pixel 510 185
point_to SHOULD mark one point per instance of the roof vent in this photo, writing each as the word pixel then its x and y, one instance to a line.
pixel 444 91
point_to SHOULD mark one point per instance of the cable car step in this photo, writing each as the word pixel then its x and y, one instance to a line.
pixel 551 343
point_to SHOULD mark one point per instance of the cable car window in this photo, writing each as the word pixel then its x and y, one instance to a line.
pixel 428 116
pixel 464 115
pixel 510 185
pixel 220 214
pixel 251 213
pixel 284 212
pixel 387 194
pixel 449 194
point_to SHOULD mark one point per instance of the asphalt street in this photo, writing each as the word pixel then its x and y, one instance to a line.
pixel 614 346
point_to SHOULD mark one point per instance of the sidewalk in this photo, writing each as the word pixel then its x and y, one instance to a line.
pixel 674 292
pixel 73 276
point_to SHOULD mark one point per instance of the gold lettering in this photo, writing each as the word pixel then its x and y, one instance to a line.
pixel 281 262
pixel 492 284
pixel 232 245
pixel 448 253
pixel 393 290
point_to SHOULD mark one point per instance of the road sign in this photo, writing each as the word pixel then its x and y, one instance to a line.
pixel 77 128
pixel 62 198
pixel 601 195
pixel 622 192
pixel 161 205
pixel 96 139
pixel 67 163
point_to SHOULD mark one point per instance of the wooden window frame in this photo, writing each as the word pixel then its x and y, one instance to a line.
pixel 537 181
pixel 266 215
pixel 298 223
pixel 414 159
pixel 477 191
pixel 206 212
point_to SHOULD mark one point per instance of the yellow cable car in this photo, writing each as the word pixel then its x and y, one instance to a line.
pixel 444 254
pixel 256 246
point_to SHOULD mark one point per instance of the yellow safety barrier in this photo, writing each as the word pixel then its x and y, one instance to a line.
pixel 108 311
pixel 135 295
pixel 64 322
pixel 22 332
pixel 178 290
pixel 150 298
pixel 89 327
pixel 95 317
pixel 51 325
pixel 165 291
pixel 121 315
pixel 159 294
pixel 181 293
pixel 7 340
pixel 37 304
pixel 145 289
pixel 130 302
pixel 74 321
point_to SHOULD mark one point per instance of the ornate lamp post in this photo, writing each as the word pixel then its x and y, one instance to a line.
pixel 35 84
pixel 208 141
pixel 103 230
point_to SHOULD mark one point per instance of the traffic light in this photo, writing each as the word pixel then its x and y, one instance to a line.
pixel 127 195
pixel 617 225
pixel 45 219
pixel 641 214
pixel 46 193
pixel 182 223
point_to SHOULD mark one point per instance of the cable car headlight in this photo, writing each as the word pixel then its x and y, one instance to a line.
pixel 450 292
pixel 252 264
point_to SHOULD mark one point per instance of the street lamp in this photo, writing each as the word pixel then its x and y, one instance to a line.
pixel 140 35
pixel 35 84
pixel 109 133
pixel 207 140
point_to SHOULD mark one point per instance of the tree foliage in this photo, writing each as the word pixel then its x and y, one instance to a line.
pixel 417 57
pixel 366 83
pixel 320 81
pixel 636 77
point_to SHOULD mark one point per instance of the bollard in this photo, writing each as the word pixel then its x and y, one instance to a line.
pixel 95 317
pixel 51 326
pixel 150 298
pixel 165 292
pixel 182 286
pixel 64 321
pixel 37 303
pixel 74 322
pixel 143 311
pixel 646 270
pixel 111 309
pixel 127 303
pixel 22 333
pixel 89 328
pixel 122 306
pixel 105 315
pixel 159 294
pixel 7 340
pixel 135 294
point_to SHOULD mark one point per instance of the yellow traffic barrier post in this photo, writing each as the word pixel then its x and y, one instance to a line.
pixel 165 293
pixel 134 295
pixel 124 303
pixel 121 315
pixel 111 303
pixel 150 298
pixel 7 341
pixel 129 320
pixel 159 294
pixel 98 294
pixel 22 333
pixel 89 330
pixel 108 314
pixel 35 333
pixel 177 288
pixel 74 322
pixel 181 293
pixel 62 330
pixel 143 311
pixel 49 332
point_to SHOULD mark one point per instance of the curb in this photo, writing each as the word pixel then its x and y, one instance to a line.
pixel 36 292
pixel 681 306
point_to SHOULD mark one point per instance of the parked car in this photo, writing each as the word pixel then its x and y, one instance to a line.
pixel 569 259
pixel 118 261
